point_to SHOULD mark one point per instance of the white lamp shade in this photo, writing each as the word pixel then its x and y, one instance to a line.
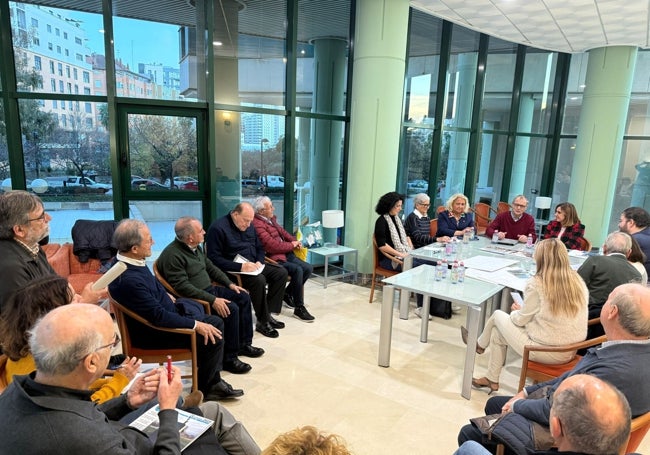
pixel 542 202
pixel 333 218
pixel 6 185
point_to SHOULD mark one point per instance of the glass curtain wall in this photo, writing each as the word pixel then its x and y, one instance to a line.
pixel 272 69
pixel 509 152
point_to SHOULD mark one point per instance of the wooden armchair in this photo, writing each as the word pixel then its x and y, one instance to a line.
pixel 378 269
pixel 123 314
pixel 585 245
pixel 639 428
pixel 433 227
pixel 482 218
pixel 503 207
pixel 170 289
pixel 543 372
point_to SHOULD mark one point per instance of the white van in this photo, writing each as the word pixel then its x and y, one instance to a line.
pixel 273 181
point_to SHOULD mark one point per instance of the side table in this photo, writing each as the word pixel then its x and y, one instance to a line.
pixel 329 251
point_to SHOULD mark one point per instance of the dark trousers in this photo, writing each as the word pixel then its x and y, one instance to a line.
pixel 238 326
pixel 299 271
pixel 210 356
pixel 263 301
pixel 470 433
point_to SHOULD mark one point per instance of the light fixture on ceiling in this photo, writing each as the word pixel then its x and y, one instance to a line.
pixel 217 43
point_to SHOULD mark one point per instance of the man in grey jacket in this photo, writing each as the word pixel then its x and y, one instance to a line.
pixel 71 346
pixel 623 361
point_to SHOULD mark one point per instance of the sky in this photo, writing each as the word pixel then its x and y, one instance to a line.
pixel 135 41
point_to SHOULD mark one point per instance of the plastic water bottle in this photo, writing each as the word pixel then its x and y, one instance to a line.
pixel 529 242
pixel 467 235
pixel 449 249
pixel 444 269
pixel 461 272
pixel 495 237
pixel 439 271
pixel 454 273
pixel 454 246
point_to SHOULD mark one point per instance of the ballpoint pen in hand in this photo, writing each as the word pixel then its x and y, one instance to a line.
pixel 169 369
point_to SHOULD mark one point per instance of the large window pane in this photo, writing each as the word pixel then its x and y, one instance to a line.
pixel 491 160
pixel 575 90
pixel 453 165
pixel 417 149
pixel 322 58
pixel 152 58
pixel 57 50
pixel 537 92
pixel 499 77
pixel 249 54
pixel 633 182
pixel 527 168
pixel 461 77
pixel 4 155
pixel 163 154
pixel 564 170
pixel 319 149
pixel 422 68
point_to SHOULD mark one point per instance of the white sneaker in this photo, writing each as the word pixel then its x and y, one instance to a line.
pixel 418 313
pixel 455 309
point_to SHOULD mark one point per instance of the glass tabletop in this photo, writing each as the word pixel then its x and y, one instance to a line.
pixel 331 249
pixel 422 280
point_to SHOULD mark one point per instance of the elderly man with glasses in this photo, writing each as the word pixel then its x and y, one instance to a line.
pixel 515 224
pixel 24 226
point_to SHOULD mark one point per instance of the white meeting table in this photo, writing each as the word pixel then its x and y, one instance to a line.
pixel 476 295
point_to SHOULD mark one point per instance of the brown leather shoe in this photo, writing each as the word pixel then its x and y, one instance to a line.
pixel 485 382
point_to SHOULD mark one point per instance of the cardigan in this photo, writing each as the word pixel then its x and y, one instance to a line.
pixel 447 223
pixel 418 229
pixel 513 229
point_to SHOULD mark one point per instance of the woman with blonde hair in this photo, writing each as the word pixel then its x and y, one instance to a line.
pixel 455 219
pixel 554 313
pixel 566 226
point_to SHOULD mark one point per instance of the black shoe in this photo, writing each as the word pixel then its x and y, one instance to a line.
pixel 266 330
pixel 275 323
pixel 236 366
pixel 288 301
pixel 301 313
pixel 222 391
pixel 250 351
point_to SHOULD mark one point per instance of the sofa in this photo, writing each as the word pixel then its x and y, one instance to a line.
pixel 66 264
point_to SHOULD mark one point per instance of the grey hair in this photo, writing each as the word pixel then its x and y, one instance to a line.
pixel 586 429
pixel 421 198
pixel 520 196
pixel 127 234
pixel 15 207
pixel 183 227
pixel 618 242
pixel 61 358
pixel 259 202
pixel 630 314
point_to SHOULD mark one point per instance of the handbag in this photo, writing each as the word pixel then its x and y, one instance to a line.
pixel 300 253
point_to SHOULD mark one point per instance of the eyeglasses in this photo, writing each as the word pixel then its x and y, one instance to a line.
pixel 424 205
pixel 38 218
pixel 523 206
pixel 112 345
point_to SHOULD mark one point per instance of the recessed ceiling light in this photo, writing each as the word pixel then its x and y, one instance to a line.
pixel 217 43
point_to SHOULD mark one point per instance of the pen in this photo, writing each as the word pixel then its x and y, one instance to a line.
pixel 169 369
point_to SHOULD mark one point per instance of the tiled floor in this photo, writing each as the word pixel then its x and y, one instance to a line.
pixel 326 374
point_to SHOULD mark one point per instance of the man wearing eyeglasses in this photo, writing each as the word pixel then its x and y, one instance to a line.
pixel 71 346
pixel 515 224
pixel 23 224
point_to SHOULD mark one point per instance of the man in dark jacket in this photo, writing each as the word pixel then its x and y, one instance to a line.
pixel 233 246
pixel 588 417
pixel 623 360
pixel 137 289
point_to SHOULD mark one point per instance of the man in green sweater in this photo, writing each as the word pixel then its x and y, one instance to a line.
pixel 187 269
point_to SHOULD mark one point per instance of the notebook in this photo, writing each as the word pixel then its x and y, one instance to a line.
pixel 508 241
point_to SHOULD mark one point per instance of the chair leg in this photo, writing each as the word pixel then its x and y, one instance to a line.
pixel 372 287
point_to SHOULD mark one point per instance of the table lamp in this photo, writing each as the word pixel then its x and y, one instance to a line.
pixel 542 203
pixel 333 219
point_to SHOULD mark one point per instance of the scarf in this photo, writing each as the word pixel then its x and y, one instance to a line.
pixel 396 237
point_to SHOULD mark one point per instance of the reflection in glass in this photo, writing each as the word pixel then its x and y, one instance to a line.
pixel 527 168
pixel 537 91
pixel 575 89
pixel 564 170
pixel 162 152
pixel 68 62
pixel 499 77
pixel 491 162
pixel 4 151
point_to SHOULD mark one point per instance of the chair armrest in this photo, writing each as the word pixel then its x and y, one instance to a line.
pixel 640 421
pixel 143 321
pixel 564 348
pixel 268 260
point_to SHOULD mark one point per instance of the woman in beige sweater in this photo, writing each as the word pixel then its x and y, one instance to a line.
pixel 554 313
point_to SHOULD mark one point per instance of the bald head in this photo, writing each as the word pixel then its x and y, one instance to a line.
pixel 62 339
pixel 590 416
pixel 626 313
pixel 242 215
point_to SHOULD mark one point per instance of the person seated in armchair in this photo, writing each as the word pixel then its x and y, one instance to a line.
pixel 279 246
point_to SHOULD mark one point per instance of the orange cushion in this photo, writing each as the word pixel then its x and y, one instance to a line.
pixel 80 280
pixel 553 370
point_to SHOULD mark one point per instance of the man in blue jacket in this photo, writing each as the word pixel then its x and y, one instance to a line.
pixel 138 290
pixel 623 361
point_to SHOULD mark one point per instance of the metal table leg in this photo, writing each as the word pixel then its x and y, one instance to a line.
pixel 386 326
